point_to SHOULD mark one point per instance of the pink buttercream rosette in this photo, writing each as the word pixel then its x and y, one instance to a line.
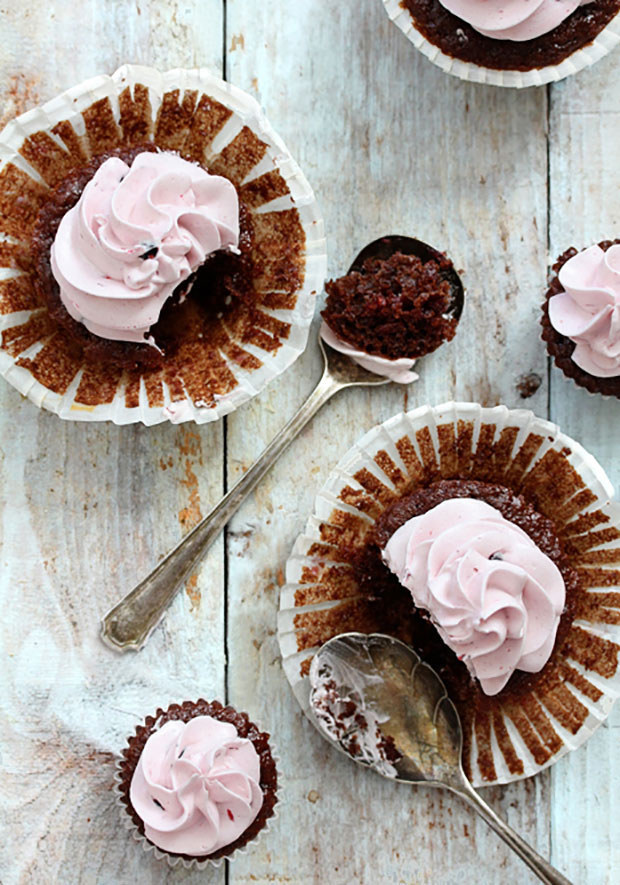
pixel 582 58
pixel 180 787
pixel 588 310
pixel 322 596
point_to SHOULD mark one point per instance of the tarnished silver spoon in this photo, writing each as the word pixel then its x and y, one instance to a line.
pixel 375 700
pixel 129 624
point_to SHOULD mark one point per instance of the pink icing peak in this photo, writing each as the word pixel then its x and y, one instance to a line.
pixel 588 310
pixel 398 370
pixel 513 19
pixel 134 235
pixel 493 595
pixel 196 786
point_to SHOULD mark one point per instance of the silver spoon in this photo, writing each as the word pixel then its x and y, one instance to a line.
pixel 408 730
pixel 130 623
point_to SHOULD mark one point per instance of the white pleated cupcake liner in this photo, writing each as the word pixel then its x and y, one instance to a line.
pixel 246 111
pixel 195 864
pixel 384 437
pixel 582 58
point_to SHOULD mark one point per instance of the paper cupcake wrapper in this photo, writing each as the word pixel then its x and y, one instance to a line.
pixel 194 864
pixel 207 121
pixel 512 447
pixel 582 58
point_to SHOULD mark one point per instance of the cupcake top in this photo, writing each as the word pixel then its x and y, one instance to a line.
pixel 513 35
pixel 198 781
pixel 587 310
pixel 137 232
pixel 196 786
pixel 494 597
pixel 513 19
pixel 390 313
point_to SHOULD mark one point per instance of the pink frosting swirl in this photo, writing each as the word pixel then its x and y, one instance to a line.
pixel 513 19
pixel 398 370
pixel 196 786
pixel 493 595
pixel 588 310
pixel 134 235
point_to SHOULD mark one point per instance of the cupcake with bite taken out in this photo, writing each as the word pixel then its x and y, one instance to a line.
pixel 197 783
pixel 162 251
pixel 581 317
pixel 510 42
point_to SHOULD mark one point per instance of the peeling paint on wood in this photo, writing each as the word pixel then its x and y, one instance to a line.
pixel 390 145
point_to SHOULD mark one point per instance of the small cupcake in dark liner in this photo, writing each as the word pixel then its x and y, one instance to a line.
pixel 562 347
pixel 186 713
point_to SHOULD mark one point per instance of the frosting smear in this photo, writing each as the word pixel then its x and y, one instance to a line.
pixel 494 597
pixel 136 233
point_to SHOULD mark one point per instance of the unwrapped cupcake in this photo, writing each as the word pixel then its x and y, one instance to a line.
pixel 197 783
pixel 162 251
pixel 509 42
pixel 488 541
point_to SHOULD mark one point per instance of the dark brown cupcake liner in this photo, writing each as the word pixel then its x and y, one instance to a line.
pixel 271 780
pixel 514 736
pixel 561 348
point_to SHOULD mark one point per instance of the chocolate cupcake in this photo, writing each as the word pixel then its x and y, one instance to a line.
pixel 391 312
pixel 163 251
pixel 517 44
pixel 197 783
pixel 581 317
pixel 434 505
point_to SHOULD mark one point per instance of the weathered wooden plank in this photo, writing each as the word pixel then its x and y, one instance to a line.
pixel 585 208
pixel 86 511
pixel 390 145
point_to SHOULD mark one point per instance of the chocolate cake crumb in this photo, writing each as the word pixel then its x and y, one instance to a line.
pixel 393 308
pixel 527 385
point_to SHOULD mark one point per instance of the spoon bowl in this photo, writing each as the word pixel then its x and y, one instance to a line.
pixel 375 700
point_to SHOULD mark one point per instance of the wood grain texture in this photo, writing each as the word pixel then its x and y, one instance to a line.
pixel 584 203
pixel 390 144
pixel 86 511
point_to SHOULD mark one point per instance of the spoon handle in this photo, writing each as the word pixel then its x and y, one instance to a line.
pixel 542 868
pixel 129 624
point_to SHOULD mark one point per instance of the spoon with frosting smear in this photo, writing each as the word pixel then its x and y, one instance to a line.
pixel 375 700
pixel 128 625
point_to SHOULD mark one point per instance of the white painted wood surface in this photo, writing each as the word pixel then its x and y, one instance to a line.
pixel 390 144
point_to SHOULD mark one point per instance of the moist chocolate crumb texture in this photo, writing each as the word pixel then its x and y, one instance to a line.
pixel 344 584
pixel 599 341
pixel 189 712
pixel 456 37
pixel 394 308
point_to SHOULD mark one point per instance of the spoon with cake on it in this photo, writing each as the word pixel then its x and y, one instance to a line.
pixel 400 300
pixel 376 701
